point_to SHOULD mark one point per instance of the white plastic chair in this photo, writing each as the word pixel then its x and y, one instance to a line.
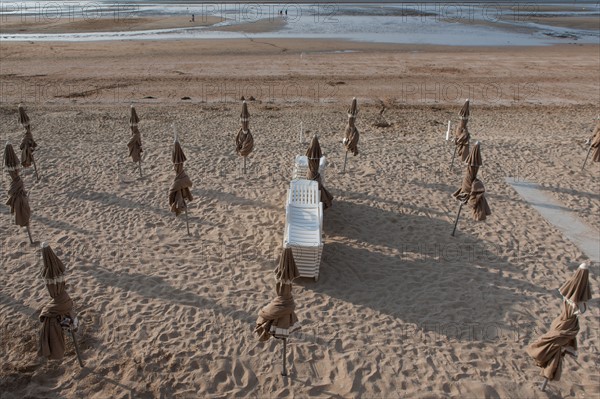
pixel 304 226
pixel 301 167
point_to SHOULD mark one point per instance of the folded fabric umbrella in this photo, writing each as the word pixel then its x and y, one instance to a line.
pixel 314 154
pixel 461 135
pixel 594 146
pixel 180 191
pixel 135 143
pixel 472 190
pixel 178 156
pixel 58 313
pixel 549 349
pixel 17 196
pixel 279 314
pixel 11 161
pixel 28 144
pixel 595 143
pixel 180 188
pixel 133 117
pixel 577 290
pixel 351 134
pixel 23 117
pixel 135 147
pixel 244 142
pixel 473 162
pixel 477 202
pixel 19 202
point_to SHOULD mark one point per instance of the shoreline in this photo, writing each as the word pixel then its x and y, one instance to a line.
pixel 319 45
pixel 536 30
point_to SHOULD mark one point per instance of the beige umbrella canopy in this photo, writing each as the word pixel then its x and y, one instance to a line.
pixel 596 144
pixel 57 313
pixel 280 312
pixel 135 143
pixel 180 188
pixel 473 162
pixel 550 348
pixel 314 154
pixel 479 206
pixel 133 117
pixel 178 156
pixel 244 142
pixel 11 161
pixel 23 117
pixel 17 196
pixel 472 191
pixel 28 144
pixel 279 316
pixel 461 135
pixel 351 133
pixel 577 290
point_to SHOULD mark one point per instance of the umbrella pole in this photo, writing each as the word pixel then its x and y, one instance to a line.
pixel 587 156
pixel 37 177
pixel 345 159
pixel 453 155
pixel 187 223
pixel 244 165
pixel 457 216
pixel 140 167
pixel 29 234
pixel 76 347
pixel 544 384
pixel 284 371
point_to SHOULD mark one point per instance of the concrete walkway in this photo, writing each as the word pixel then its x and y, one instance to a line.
pixel 581 234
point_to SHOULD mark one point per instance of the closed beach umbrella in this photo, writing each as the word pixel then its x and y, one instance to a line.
pixel 473 163
pixel 461 135
pixel 576 290
pixel 17 196
pixel 11 161
pixel 594 146
pixel 479 206
pixel 133 117
pixel 28 144
pixel 23 117
pixel 550 348
pixel 57 313
pixel 180 188
pixel 244 142
pixel 351 133
pixel 279 316
pixel 135 143
pixel 178 156
pixel 465 193
pixel 314 154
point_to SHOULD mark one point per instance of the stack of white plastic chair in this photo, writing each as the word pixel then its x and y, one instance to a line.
pixel 304 226
pixel 301 167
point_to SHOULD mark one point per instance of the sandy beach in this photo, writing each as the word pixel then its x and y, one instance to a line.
pixel 401 309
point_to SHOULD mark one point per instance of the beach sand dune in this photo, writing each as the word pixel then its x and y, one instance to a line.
pixel 402 309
